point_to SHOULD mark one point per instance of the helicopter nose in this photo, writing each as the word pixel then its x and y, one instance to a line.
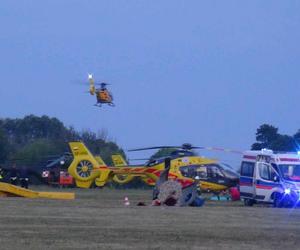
pixel 235 181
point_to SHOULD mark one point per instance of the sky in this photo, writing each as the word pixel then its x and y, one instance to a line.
pixel 204 72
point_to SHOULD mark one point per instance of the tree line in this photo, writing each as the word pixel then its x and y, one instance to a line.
pixel 267 136
pixel 33 139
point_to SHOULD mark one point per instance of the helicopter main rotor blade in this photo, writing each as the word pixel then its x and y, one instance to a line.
pixel 149 148
pixel 223 150
pixel 185 146
pixel 102 83
pixel 188 146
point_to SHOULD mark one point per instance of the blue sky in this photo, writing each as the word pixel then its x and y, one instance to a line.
pixel 204 72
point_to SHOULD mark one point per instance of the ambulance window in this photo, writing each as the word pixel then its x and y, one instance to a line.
pixel 275 167
pixel 273 174
pixel 247 169
pixel 264 171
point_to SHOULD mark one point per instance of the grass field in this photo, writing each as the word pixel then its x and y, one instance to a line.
pixel 97 219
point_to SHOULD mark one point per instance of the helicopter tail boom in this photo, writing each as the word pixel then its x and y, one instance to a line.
pixel 118 160
pixel 92 84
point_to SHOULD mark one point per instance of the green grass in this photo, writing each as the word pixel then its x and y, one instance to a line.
pixel 98 219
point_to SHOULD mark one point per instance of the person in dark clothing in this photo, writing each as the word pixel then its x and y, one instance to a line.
pixel 24 177
pixel 1 174
pixel 13 173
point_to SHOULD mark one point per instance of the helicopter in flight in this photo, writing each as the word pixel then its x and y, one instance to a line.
pixel 102 94
pixel 185 166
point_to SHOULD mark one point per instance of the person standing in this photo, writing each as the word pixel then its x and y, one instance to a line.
pixel 13 174
pixel 1 174
pixel 24 177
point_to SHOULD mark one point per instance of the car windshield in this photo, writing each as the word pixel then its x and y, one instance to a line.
pixel 290 172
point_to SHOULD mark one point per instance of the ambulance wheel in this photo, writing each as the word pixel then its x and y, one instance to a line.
pixel 278 202
pixel 248 202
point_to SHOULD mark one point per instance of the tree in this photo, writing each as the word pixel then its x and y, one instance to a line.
pixel 3 146
pixel 32 138
pixel 36 152
pixel 267 136
pixel 98 145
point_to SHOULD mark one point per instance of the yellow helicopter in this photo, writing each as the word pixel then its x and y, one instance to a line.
pixel 102 94
pixel 119 161
pixel 87 170
pixel 185 166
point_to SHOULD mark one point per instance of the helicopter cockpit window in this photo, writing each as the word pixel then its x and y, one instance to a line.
pixel 193 171
pixel 214 171
pixel 188 171
pixel 184 171
pixel 202 172
pixel 228 170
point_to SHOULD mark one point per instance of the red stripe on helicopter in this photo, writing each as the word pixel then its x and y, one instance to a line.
pixel 185 183
pixel 151 170
pixel 150 181
pixel 101 167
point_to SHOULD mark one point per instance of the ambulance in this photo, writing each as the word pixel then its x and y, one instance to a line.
pixel 269 177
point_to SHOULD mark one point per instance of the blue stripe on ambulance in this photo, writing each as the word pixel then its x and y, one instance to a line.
pixel 246 181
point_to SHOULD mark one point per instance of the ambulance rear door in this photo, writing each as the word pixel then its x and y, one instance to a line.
pixel 246 180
